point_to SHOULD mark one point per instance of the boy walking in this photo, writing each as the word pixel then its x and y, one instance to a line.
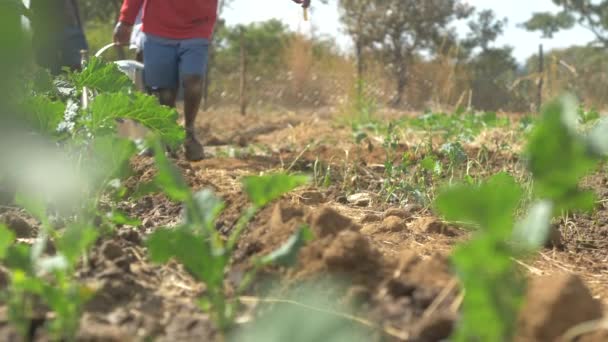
pixel 176 46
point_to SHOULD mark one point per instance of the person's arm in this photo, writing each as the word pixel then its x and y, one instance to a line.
pixel 128 15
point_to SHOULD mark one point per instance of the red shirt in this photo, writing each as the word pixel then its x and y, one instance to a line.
pixel 173 19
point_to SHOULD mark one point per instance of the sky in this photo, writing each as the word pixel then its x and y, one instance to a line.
pixel 325 20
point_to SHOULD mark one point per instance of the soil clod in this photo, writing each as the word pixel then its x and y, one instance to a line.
pixel 18 225
pixel 555 304
pixel 328 221
pixel 311 197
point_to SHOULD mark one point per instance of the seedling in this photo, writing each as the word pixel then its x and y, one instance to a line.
pixel 201 248
pixel 558 158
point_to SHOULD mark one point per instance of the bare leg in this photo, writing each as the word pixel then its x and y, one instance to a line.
pixel 166 97
pixel 193 93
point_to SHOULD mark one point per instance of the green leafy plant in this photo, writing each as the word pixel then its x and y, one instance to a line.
pixel 587 116
pixel 86 137
pixel 558 157
pixel 201 248
pixel 463 126
pixel 47 277
pixel 141 108
pixel 484 264
pixel 100 76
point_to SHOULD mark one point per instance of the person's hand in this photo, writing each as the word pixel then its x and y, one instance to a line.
pixel 305 3
pixel 122 33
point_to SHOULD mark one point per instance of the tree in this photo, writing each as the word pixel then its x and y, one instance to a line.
pixel 592 15
pixel 355 15
pixel 492 69
pixel 484 30
pixel 403 28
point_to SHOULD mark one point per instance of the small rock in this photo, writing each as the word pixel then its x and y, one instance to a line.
pixel 412 208
pixel 397 212
pixel 111 250
pixel 360 200
pixel 555 304
pixel 214 140
pixel 393 224
pixel 311 197
pixel 405 213
pixel 377 167
pixel 372 229
pixel 371 218
pixel 432 225
pixel 18 225
pixel 437 327
pixel 342 199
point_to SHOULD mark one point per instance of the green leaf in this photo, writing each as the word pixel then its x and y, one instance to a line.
pixel 490 205
pixel 75 241
pixel 205 304
pixel 101 76
pixel 534 229
pixel 141 108
pixel 494 291
pixel 120 218
pixel 7 238
pixel 265 189
pixel 432 165
pixel 287 254
pixel 169 179
pixel 109 160
pixel 145 188
pixel 208 208
pixel 455 152
pixel 558 156
pixel 18 258
pixel 42 82
pixel 191 250
pixel 24 282
pixel 43 114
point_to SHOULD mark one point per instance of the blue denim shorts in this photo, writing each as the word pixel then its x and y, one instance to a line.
pixel 167 61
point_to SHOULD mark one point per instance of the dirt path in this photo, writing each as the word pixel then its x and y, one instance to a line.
pixel 392 259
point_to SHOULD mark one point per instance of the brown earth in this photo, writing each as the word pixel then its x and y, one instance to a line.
pixel 387 264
